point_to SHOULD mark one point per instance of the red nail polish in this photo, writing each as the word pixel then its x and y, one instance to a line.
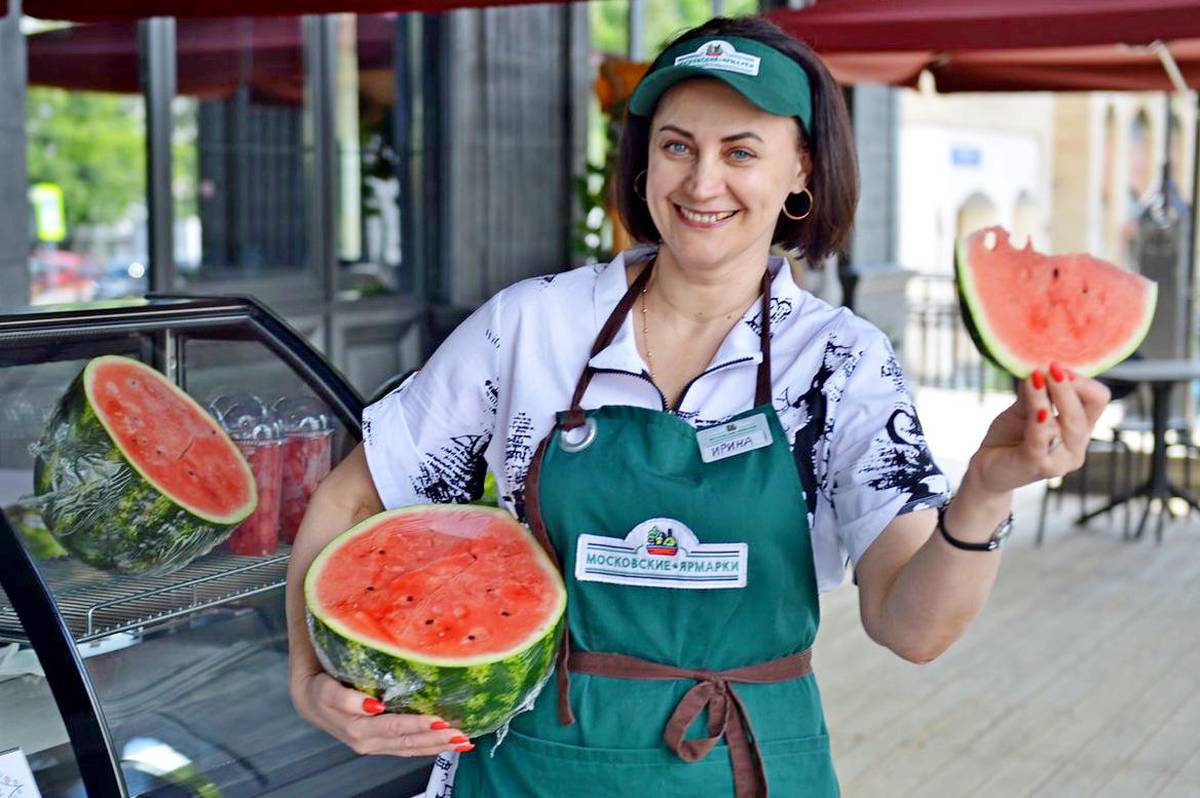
pixel 373 706
pixel 439 725
pixel 1056 372
pixel 465 748
pixel 458 739
pixel 1043 414
pixel 1039 382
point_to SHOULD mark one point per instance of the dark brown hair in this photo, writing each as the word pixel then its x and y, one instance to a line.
pixel 834 177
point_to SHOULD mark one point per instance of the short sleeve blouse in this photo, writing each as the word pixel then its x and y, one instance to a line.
pixel 490 392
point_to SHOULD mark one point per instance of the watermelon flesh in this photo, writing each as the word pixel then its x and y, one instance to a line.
pixel 1025 310
pixel 447 610
pixel 133 475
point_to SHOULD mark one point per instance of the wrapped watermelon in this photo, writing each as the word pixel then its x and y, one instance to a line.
pixel 1025 310
pixel 133 475
pixel 447 610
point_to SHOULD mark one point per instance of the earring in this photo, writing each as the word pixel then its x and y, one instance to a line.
pixel 640 194
pixel 807 211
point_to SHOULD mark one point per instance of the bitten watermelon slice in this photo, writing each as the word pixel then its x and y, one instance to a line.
pixel 134 475
pixel 448 610
pixel 1025 310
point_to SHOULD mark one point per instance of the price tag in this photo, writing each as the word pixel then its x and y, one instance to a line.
pixel 16 780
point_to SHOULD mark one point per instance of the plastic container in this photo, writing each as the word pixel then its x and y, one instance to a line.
pixel 307 456
pixel 259 438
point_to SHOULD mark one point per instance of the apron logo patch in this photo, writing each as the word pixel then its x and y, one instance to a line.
pixel 661 552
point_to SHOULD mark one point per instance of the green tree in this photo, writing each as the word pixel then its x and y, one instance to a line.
pixel 93 145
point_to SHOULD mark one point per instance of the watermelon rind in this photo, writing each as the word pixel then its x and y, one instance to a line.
pixel 477 694
pixel 105 510
pixel 991 346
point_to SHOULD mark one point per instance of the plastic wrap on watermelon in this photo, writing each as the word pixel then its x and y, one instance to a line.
pixel 446 610
pixel 131 474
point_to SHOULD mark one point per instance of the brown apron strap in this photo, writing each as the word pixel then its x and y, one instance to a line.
pixel 713 689
pixel 533 514
pixel 575 417
pixel 762 391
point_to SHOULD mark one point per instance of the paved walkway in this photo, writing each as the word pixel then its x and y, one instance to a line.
pixel 1080 678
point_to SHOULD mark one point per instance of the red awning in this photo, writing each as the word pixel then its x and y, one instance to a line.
pixel 1093 68
pixel 1112 68
pixel 958 25
pixel 215 56
pixel 113 10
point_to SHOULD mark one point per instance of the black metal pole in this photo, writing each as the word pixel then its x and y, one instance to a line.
pixel 157 63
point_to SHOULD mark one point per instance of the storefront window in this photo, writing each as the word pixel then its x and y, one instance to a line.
pixel 240 175
pixel 85 125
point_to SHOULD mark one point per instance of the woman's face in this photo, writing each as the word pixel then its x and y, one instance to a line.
pixel 719 171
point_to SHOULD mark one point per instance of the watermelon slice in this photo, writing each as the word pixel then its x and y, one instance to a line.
pixel 134 475
pixel 448 610
pixel 1025 310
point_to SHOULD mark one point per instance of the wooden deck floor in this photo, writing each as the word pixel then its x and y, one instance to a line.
pixel 1080 678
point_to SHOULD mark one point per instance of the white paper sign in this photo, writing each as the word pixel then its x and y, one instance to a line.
pixel 16 780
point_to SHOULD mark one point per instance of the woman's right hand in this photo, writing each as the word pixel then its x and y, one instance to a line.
pixel 359 720
pixel 347 495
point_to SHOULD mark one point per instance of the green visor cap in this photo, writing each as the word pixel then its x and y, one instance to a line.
pixel 761 74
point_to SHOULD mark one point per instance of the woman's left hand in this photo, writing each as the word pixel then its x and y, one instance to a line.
pixel 1043 434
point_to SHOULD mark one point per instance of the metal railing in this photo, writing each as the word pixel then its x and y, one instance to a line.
pixel 938 351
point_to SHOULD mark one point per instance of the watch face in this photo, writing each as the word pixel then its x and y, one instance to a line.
pixel 1004 530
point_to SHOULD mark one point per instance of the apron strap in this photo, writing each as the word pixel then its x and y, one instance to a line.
pixel 574 417
pixel 762 390
pixel 713 690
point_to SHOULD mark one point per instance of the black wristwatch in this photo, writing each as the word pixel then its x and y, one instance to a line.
pixel 991 544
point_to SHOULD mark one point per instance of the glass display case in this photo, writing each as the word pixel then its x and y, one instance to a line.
pixel 116 684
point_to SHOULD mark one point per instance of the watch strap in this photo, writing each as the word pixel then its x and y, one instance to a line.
pixel 991 544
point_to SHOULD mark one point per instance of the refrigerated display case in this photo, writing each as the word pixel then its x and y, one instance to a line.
pixel 122 685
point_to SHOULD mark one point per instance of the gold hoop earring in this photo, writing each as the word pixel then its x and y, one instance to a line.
pixel 807 211
pixel 640 194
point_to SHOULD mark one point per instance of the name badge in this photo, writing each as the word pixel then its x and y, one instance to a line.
pixel 734 438
pixel 661 552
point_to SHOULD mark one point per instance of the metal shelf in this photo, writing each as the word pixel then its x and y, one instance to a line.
pixel 96 604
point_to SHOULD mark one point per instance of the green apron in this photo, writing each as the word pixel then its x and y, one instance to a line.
pixel 682 684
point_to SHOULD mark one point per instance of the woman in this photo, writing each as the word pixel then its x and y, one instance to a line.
pixel 705 394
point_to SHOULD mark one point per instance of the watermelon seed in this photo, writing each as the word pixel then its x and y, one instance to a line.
pixel 505 613
pixel 429 621
pixel 1055 273
pixel 470 637
pixel 370 587
pixel 408 598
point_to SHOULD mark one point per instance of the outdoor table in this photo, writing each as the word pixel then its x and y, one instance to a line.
pixel 1162 375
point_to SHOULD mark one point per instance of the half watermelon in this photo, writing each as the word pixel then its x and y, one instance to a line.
pixel 447 610
pixel 134 475
pixel 1025 310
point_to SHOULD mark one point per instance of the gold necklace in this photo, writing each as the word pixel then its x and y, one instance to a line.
pixel 646 329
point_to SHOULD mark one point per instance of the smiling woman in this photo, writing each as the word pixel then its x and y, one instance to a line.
pixel 716 446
